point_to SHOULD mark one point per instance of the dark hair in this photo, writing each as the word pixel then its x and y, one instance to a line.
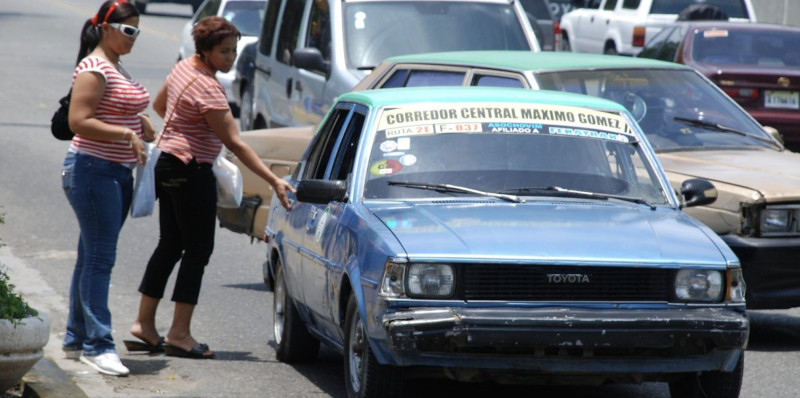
pixel 211 31
pixel 91 34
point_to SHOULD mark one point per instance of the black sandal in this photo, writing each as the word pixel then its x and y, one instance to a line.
pixel 143 346
pixel 197 352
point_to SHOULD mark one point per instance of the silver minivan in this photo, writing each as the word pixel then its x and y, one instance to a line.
pixel 310 51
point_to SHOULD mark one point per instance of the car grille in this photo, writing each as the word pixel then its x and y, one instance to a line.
pixel 560 283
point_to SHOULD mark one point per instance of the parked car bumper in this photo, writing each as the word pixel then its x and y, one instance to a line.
pixel 568 340
pixel 771 269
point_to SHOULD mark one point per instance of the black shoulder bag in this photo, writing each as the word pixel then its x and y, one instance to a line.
pixel 59 123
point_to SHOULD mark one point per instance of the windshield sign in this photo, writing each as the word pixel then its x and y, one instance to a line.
pixel 507 149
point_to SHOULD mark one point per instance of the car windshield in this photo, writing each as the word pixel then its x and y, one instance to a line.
pixel 376 30
pixel 731 8
pixel 768 48
pixel 517 151
pixel 665 102
pixel 245 15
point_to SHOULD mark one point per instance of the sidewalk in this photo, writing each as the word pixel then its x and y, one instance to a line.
pixel 47 380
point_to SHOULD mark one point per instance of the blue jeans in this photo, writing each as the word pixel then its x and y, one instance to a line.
pixel 100 193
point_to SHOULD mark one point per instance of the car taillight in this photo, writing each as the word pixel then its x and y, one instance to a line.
pixel 741 92
pixel 638 36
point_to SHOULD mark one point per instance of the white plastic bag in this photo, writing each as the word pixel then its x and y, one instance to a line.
pixel 144 189
pixel 229 182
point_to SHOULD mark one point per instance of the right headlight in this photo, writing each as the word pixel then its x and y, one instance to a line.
pixel 699 285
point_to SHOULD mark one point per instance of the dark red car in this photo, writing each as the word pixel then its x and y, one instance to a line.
pixel 756 64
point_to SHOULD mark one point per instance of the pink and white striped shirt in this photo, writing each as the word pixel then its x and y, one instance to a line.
pixel 186 133
pixel 121 104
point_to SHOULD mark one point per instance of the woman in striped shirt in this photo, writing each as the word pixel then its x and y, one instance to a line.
pixel 96 176
pixel 198 122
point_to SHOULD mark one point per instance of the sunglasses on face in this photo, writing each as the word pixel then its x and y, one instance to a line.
pixel 127 30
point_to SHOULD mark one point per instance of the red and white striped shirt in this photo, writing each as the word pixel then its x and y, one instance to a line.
pixel 122 101
pixel 186 133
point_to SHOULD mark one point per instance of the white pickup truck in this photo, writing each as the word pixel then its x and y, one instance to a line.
pixel 624 26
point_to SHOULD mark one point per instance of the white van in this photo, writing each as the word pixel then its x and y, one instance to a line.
pixel 310 51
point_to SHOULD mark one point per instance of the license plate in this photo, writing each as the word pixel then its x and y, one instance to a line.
pixel 782 99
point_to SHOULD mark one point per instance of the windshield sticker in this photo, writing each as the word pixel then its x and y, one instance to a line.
pixel 715 33
pixel 385 167
pixel 408 160
pixel 360 18
pixel 390 154
pixel 403 144
pixel 426 119
pixel 388 146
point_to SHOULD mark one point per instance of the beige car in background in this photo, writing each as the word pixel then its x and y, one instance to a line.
pixel 695 129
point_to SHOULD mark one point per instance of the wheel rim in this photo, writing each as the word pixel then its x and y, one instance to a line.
pixel 279 308
pixel 356 352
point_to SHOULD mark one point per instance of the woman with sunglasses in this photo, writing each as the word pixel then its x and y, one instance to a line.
pixel 197 123
pixel 97 176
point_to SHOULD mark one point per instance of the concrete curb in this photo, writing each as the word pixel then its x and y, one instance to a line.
pixel 47 380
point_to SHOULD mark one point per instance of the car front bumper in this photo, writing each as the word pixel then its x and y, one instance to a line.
pixel 771 269
pixel 564 340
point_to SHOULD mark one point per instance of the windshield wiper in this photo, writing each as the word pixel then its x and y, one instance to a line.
pixel 582 194
pixel 456 188
pixel 720 127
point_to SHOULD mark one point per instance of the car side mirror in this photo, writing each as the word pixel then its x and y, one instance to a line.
pixel 311 58
pixel 322 191
pixel 698 192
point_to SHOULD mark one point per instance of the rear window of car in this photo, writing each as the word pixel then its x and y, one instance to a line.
pixel 732 8
pixel 377 30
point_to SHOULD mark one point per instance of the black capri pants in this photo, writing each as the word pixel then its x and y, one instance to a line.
pixel 187 195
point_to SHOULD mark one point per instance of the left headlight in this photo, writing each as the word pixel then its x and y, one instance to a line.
pixel 699 285
pixel 418 280
pixel 778 220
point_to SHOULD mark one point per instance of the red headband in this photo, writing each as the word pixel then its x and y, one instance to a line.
pixel 108 14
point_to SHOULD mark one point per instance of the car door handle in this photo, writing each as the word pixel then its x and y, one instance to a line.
pixel 289 88
pixel 266 71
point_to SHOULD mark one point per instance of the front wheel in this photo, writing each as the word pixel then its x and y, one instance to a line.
pixel 710 384
pixel 363 375
pixel 293 342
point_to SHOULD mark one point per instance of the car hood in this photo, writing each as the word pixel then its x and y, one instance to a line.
pixel 773 175
pixel 570 231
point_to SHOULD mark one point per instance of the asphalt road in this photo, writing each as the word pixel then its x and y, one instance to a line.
pixel 39 45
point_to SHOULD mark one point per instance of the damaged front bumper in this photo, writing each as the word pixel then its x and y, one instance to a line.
pixel 568 340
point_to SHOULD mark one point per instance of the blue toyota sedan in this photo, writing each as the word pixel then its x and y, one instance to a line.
pixel 500 234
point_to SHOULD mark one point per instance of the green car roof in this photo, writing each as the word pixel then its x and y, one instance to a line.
pixel 408 95
pixel 533 61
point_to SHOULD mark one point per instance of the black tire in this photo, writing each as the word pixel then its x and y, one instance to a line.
pixel 710 384
pixel 293 342
pixel 610 49
pixel 246 111
pixel 364 377
pixel 565 43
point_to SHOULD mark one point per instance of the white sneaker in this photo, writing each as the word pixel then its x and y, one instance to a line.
pixel 107 363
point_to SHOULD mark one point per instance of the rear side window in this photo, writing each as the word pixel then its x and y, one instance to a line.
pixel 423 78
pixel 610 5
pixel 290 27
pixel 631 4
pixel 664 45
pixel 496 81
pixel 268 28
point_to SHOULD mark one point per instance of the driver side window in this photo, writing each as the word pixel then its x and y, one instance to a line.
pixel 323 145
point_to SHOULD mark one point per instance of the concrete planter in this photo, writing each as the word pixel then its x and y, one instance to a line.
pixel 21 347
